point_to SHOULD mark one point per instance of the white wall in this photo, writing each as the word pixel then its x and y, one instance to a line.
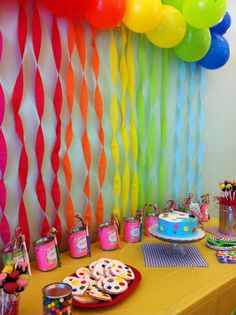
pixel 220 119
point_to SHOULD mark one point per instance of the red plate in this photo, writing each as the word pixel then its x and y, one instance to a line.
pixel 115 298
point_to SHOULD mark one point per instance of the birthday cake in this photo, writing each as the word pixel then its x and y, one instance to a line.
pixel 177 224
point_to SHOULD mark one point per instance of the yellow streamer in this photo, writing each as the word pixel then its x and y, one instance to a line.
pixel 114 111
pixel 124 134
pixel 133 132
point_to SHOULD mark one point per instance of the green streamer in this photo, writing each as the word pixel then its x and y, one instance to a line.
pixel 141 120
pixel 151 131
pixel 162 174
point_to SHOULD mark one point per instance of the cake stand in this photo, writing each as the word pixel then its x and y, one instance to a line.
pixel 176 247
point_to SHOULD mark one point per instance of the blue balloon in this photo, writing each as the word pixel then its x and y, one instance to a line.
pixel 217 55
pixel 223 25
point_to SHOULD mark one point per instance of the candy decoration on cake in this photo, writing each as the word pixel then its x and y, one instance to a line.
pixel 114 115
pixel 39 101
pixel 57 101
pixel 172 206
pixel 132 127
pixel 4 225
pixel 16 102
pixel 70 96
pixel 98 104
pixel 84 112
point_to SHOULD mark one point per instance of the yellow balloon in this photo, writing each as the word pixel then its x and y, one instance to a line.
pixel 171 29
pixel 142 16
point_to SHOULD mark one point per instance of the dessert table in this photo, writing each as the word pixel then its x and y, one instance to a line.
pixel 162 291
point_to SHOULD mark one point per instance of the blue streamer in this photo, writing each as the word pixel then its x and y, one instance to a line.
pixel 191 143
pixel 179 127
pixel 201 119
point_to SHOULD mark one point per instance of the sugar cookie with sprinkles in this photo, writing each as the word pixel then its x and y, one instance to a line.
pixel 92 265
pixel 98 271
pixel 114 285
pixel 83 273
pixel 99 295
pixel 85 299
pixel 79 286
pixel 122 271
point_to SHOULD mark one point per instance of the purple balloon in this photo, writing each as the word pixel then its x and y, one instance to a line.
pixel 222 26
pixel 217 55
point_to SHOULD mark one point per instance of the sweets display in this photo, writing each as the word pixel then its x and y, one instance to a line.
pixel 57 299
pixel 100 281
pixel 177 224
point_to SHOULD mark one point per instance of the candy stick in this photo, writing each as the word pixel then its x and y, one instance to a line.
pixel 26 255
pixel 53 233
pixel 88 240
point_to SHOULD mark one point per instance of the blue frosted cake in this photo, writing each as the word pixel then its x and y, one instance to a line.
pixel 177 224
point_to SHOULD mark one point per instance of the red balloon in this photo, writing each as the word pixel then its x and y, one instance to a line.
pixel 105 14
pixel 66 8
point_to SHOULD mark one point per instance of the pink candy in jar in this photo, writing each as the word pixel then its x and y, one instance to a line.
pixel 150 220
pixel 108 236
pixel 78 239
pixel 132 230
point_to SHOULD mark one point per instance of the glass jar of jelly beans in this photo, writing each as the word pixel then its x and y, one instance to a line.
pixel 57 299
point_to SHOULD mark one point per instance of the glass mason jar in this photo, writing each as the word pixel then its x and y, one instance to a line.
pixel 9 303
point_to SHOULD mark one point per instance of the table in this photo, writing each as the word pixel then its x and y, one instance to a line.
pixel 163 291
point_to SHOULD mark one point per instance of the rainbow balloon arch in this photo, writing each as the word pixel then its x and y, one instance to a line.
pixel 194 29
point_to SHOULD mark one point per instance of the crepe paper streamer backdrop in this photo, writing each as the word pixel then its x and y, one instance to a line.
pixel 84 111
pixel 55 161
pixel 114 114
pixel 191 143
pixel 16 102
pixel 179 128
pixel 4 225
pixel 125 186
pixel 70 95
pixel 39 100
pixel 163 129
pixel 133 130
pixel 98 104
pixel 200 145
pixel 152 127
pixel 141 121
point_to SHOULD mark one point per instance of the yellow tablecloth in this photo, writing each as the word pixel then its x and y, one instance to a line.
pixel 163 291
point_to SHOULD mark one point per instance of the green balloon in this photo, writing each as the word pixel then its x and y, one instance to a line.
pixel 204 13
pixel 195 44
pixel 178 4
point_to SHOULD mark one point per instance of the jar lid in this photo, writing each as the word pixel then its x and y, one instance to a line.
pixel 130 219
pixel 44 240
pixel 57 290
